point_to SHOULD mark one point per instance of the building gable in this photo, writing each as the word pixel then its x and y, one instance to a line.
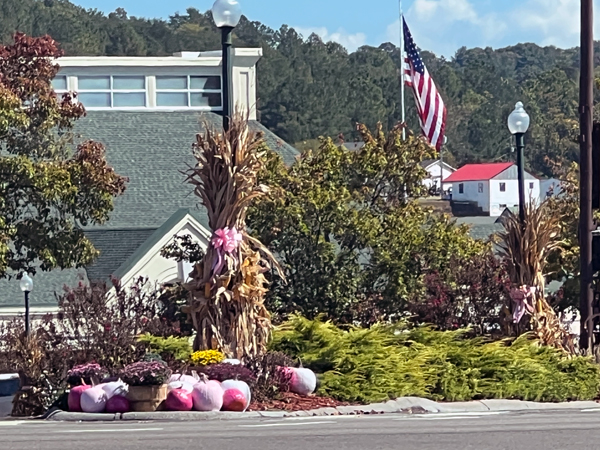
pixel 512 173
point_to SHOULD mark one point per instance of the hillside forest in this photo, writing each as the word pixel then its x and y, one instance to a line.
pixel 309 88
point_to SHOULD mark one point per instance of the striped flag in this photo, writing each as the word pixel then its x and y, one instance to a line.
pixel 430 106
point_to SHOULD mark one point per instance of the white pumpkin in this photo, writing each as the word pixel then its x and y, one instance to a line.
pixel 93 400
pixel 303 382
pixel 232 361
pixel 208 395
pixel 189 379
pixel 240 386
pixel 115 388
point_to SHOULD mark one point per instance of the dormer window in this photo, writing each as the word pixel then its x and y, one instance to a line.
pixel 186 81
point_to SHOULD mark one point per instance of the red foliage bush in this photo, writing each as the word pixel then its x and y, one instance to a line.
pixel 473 294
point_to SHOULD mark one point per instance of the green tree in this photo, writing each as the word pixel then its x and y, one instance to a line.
pixel 49 187
pixel 347 228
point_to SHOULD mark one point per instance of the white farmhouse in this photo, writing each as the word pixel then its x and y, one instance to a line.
pixel 435 169
pixel 491 188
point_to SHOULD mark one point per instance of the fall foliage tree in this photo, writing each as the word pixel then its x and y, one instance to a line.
pixel 50 187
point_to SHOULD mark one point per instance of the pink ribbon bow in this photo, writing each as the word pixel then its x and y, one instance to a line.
pixel 226 240
pixel 520 298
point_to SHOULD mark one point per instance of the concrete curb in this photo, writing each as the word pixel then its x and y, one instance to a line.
pixel 403 405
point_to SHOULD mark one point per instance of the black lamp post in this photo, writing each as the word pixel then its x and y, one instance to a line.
pixel 26 285
pixel 518 123
pixel 226 14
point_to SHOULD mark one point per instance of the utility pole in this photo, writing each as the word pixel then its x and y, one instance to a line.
pixel 586 110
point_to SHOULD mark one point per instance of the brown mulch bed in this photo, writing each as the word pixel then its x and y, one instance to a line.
pixel 294 402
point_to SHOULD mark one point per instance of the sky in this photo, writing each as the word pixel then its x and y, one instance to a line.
pixel 440 26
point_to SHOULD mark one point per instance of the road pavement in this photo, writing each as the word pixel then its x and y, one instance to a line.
pixel 548 430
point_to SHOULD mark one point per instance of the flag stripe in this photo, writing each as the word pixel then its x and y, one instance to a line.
pixel 430 105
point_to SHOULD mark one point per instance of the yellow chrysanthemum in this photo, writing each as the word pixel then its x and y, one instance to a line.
pixel 207 357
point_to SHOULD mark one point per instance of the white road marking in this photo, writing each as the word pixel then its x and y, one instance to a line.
pixel 9 423
pixel 591 410
pixel 450 417
pixel 456 415
pixel 109 430
pixel 285 424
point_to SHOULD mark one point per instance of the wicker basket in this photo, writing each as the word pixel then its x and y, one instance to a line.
pixel 146 398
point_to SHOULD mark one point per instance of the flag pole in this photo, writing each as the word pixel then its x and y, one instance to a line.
pixel 402 69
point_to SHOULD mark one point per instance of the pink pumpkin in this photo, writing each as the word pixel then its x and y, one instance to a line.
pixel 179 400
pixel 240 386
pixel 117 404
pixel 234 400
pixel 208 396
pixel 74 399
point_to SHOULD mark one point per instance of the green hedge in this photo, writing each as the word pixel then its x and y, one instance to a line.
pixel 370 365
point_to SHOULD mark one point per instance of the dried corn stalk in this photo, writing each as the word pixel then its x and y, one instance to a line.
pixel 525 250
pixel 228 288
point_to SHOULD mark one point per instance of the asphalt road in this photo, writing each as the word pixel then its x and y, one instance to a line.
pixel 568 430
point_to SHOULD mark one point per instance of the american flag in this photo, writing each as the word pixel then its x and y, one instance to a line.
pixel 430 106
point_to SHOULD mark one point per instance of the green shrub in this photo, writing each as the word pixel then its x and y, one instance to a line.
pixel 169 349
pixel 366 365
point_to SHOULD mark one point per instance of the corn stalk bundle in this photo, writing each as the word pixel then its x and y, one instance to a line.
pixel 228 286
pixel 525 249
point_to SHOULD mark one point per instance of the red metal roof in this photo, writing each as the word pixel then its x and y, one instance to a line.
pixel 478 172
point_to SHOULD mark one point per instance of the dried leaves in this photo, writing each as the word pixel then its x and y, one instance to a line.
pixel 227 308
pixel 526 248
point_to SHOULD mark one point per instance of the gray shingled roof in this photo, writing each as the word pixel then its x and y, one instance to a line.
pixel 482 227
pixel 151 148
pixel 116 246
pixel 45 285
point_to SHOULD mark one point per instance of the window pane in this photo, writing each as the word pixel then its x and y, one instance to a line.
pixel 213 100
pixel 130 99
pixel 59 83
pixel 96 100
pixel 171 82
pixel 205 83
pixel 94 83
pixel 129 83
pixel 172 99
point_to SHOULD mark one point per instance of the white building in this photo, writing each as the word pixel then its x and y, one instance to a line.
pixel 147 112
pixel 436 172
pixel 491 187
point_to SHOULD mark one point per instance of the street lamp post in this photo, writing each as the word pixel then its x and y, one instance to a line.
pixel 26 285
pixel 226 14
pixel 518 123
